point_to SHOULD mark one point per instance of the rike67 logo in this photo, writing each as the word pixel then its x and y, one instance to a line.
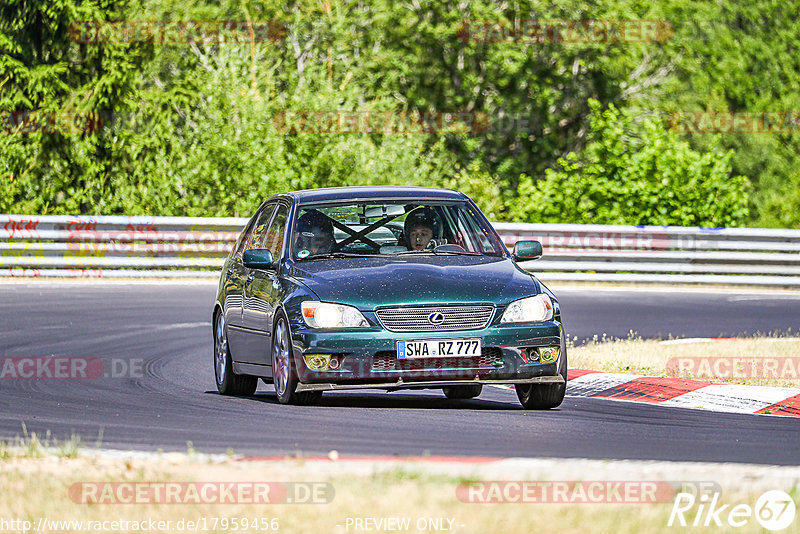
pixel 774 510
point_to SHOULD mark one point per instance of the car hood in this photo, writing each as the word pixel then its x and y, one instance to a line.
pixel 377 281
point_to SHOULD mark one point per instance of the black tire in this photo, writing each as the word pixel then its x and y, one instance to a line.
pixel 228 382
pixel 462 392
pixel 284 374
pixel 546 396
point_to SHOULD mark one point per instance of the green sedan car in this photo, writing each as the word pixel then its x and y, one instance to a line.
pixel 383 288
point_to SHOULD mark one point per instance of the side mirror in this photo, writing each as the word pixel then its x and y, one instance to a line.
pixel 258 258
pixel 527 250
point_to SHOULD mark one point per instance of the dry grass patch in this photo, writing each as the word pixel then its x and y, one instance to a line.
pixel 31 488
pixel 756 361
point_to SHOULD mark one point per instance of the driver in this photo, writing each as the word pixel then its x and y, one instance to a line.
pixel 420 228
pixel 314 234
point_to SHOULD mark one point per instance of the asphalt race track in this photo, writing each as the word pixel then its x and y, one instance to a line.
pixel 172 400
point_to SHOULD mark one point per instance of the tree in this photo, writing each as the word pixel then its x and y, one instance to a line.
pixel 634 171
pixel 54 90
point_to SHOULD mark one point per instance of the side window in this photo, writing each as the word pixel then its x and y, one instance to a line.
pixel 277 230
pixel 244 238
pixel 260 230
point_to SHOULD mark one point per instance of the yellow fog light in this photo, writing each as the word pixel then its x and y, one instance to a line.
pixel 318 362
pixel 548 354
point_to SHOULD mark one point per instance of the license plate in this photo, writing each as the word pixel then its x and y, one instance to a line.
pixel 435 348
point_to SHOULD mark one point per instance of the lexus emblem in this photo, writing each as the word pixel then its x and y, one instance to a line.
pixel 436 318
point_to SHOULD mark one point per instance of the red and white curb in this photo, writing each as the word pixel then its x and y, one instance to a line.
pixel 685 393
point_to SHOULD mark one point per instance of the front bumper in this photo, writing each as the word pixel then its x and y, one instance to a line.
pixel 428 384
pixel 368 358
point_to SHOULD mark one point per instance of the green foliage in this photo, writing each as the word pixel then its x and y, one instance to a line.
pixel 193 128
pixel 633 171
pixel 480 186
pixel 226 151
pixel 62 169
pixel 738 57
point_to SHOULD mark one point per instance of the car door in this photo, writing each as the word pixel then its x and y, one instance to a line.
pixel 233 284
pixel 237 276
pixel 262 291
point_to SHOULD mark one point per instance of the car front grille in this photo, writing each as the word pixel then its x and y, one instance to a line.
pixel 418 319
pixel 386 360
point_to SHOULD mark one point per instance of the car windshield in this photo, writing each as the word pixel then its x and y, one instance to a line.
pixel 376 227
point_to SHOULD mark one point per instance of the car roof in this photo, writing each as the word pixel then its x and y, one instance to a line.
pixel 328 194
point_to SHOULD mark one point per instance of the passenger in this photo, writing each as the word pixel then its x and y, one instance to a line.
pixel 420 228
pixel 314 234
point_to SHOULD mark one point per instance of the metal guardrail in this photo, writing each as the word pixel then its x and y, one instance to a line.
pixel 667 254
pixel 133 247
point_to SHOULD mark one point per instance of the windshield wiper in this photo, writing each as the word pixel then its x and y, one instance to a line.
pixel 327 255
pixel 439 252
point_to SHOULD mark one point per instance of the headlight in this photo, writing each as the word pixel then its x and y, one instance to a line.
pixel 530 309
pixel 327 315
